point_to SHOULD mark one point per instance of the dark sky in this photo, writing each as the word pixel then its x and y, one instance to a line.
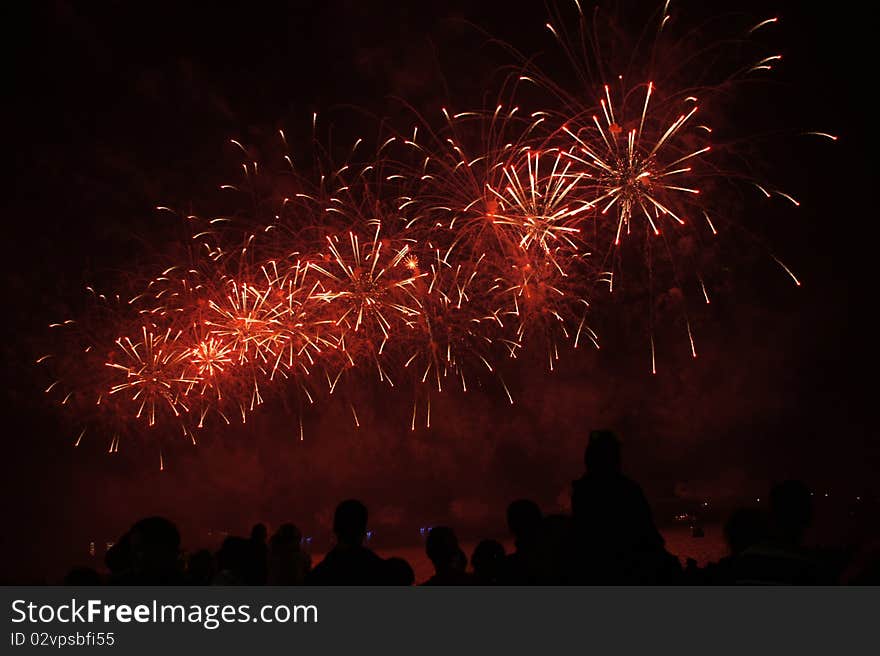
pixel 113 108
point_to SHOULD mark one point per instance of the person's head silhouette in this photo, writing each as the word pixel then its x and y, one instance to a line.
pixel 524 519
pixel 442 548
pixel 154 550
pixel 259 533
pixel 200 567
pixel 233 557
pixel 791 510
pixel 602 454
pixel 350 522
pixel 487 559
pixel 288 536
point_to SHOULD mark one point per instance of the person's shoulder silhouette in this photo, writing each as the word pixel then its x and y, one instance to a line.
pixel 744 528
pixel 782 558
pixel 399 572
pixel 487 561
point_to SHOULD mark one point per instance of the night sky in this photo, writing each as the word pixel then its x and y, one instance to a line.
pixel 114 108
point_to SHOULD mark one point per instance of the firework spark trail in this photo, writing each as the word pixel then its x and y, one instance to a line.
pixel 426 259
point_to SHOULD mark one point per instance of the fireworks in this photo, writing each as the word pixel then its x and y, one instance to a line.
pixel 542 209
pixel 209 356
pixel 153 377
pixel 633 177
pixel 427 261
pixel 371 283
pixel 448 337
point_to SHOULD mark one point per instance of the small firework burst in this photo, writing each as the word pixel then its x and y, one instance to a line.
pixel 638 172
pixel 152 365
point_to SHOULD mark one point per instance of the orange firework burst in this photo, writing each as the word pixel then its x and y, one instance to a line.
pixel 539 206
pixel 634 177
pixel 152 365
pixel 368 284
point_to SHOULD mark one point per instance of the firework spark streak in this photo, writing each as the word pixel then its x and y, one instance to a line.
pixel 443 251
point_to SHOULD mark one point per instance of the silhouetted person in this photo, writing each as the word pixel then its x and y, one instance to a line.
pixel 487 561
pixel 782 559
pixel 617 541
pixel 259 566
pixel 200 568
pixel 149 554
pixel 349 562
pixel 234 561
pixel 745 528
pixel 288 563
pixel 82 576
pixel 399 572
pixel 523 566
pixel 447 557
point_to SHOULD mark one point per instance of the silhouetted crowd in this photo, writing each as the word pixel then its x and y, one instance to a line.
pixel 610 538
